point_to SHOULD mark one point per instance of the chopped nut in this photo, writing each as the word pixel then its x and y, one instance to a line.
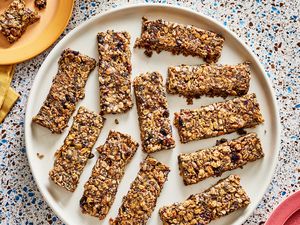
pixel 15 20
pixel 159 35
pixel 223 198
pixel 114 72
pixel 101 188
pixel 195 167
pixel 66 90
pixel 209 79
pixel 140 201
pixel 152 107
pixel 218 118
pixel 40 4
pixel 71 159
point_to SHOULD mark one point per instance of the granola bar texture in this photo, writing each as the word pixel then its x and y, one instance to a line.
pixel 73 155
pixel 153 113
pixel 197 166
pixel 40 4
pixel 114 72
pixel 218 118
pixel 160 35
pixel 101 188
pixel 15 20
pixel 209 79
pixel 221 199
pixel 140 201
pixel 66 90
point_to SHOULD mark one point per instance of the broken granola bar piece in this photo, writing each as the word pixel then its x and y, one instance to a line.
pixel 160 35
pixel 221 199
pixel 218 118
pixel 152 107
pixel 101 188
pixel 72 157
pixel 40 4
pixel 114 72
pixel 209 79
pixel 15 20
pixel 197 166
pixel 66 90
pixel 140 201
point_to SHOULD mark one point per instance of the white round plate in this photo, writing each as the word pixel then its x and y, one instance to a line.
pixel 255 177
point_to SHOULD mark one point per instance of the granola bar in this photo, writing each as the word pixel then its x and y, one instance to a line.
pixel 152 107
pixel 66 90
pixel 218 118
pixel 160 35
pixel 114 72
pixel 101 188
pixel 15 20
pixel 221 199
pixel 197 166
pixel 72 157
pixel 209 79
pixel 40 4
pixel 140 201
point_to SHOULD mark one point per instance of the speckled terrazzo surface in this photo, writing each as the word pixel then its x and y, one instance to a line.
pixel 272 32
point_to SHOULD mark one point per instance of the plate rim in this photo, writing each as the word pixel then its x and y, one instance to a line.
pixel 29 51
pixel 190 11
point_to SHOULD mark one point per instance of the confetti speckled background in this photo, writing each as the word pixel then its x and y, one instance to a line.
pixel 270 28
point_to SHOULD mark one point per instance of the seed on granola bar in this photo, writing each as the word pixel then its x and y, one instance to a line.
pixel 218 118
pixel 197 166
pixel 66 90
pixel 114 72
pixel 140 201
pixel 160 35
pixel 223 198
pixel 15 20
pixel 101 188
pixel 72 157
pixel 40 4
pixel 152 107
pixel 209 79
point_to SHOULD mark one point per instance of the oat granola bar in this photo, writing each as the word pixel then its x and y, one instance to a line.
pixel 40 4
pixel 197 166
pixel 140 201
pixel 152 107
pixel 221 199
pixel 101 188
pixel 218 118
pixel 160 35
pixel 66 90
pixel 72 157
pixel 15 20
pixel 209 79
pixel 114 72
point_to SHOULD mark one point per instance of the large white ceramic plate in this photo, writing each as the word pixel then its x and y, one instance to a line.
pixel 255 177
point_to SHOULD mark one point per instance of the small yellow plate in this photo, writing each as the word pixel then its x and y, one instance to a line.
pixel 38 36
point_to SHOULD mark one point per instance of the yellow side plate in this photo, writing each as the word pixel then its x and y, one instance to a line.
pixel 38 36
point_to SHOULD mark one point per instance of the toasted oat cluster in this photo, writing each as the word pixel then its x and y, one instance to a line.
pixel 15 20
pixel 221 199
pixel 197 166
pixel 218 118
pixel 72 157
pixel 152 107
pixel 40 4
pixel 101 188
pixel 160 35
pixel 209 79
pixel 66 90
pixel 140 201
pixel 114 72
